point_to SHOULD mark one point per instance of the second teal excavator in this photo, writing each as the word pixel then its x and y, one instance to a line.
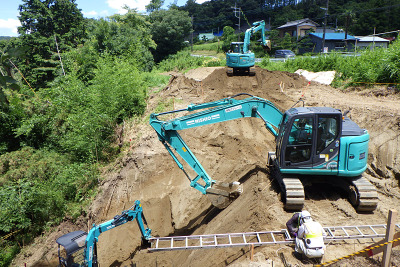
pixel 239 57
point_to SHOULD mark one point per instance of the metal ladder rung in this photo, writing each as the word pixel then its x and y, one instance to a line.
pixel 373 230
pixel 258 238
pixel 273 237
pixel 331 233
pixel 344 230
pixel 358 229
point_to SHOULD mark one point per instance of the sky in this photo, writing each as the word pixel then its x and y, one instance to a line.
pixel 90 9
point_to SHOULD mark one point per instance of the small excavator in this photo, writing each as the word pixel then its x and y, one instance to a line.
pixel 81 247
pixel 239 57
pixel 313 145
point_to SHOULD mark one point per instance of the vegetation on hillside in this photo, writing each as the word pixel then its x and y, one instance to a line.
pixel 357 17
pixel 380 65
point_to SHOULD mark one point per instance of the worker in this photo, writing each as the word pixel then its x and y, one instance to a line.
pixel 309 235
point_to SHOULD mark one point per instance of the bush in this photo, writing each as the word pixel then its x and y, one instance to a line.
pixel 73 118
pixel 371 66
pixel 180 61
pixel 37 188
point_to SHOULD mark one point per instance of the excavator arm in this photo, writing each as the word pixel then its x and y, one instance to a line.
pixel 259 25
pixel 221 194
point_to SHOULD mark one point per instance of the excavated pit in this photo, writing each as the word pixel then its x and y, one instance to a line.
pixel 232 151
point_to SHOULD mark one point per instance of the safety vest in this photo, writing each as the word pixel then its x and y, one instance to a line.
pixel 313 234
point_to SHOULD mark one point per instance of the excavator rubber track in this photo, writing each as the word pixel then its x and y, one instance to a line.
pixel 292 189
pixel 363 195
pixel 294 193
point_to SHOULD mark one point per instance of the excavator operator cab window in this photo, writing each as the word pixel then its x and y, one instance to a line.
pixel 236 48
pixel 328 130
pixel 299 145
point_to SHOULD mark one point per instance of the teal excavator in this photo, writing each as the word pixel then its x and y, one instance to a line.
pixel 313 145
pixel 80 248
pixel 239 57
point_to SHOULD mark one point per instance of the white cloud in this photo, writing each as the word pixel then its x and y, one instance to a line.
pixel 90 14
pixel 118 5
pixel 10 25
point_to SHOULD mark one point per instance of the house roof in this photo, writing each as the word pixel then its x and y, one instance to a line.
pixel 297 22
pixel 371 39
pixel 333 36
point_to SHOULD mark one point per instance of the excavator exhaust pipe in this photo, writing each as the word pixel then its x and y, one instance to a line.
pixel 222 194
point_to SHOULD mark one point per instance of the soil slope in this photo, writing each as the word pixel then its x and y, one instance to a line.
pixel 232 151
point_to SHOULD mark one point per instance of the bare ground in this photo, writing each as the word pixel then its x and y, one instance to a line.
pixel 232 151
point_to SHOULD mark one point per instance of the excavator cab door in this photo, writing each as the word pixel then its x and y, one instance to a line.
pixel 309 141
pixel 327 142
pixel 299 142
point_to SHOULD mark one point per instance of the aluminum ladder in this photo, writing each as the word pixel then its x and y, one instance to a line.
pixel 262 238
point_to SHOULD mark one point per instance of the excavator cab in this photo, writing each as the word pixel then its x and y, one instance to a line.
pixel 321 145
pixel 309 137
pixel 72 252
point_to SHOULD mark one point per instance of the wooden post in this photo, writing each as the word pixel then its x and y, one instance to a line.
pixel 252 252
pixel 389 237
pixel 202 92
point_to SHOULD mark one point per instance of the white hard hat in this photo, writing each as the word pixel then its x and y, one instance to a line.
pixel 305 216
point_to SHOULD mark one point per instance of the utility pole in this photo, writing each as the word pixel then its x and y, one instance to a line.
pixel 325 19
pixel 192 36
pixel 237 10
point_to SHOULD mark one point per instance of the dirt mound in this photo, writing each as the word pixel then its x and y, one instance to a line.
pixel 236 151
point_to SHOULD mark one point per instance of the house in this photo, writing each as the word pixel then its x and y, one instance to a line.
pixel 333 42
pixel 371 42
pixel 206 36
pixel 297 28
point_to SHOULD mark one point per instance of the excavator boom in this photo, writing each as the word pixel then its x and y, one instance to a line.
pixel 221 194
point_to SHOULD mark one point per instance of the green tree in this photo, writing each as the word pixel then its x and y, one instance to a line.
pixel 228 36
pixel 287 42
pixel 44 25
pixel 154 5
pixel 169 29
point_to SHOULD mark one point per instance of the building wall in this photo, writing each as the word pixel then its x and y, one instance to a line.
pixel 296 31
pixel 364 45
pixel 290 30
pixel 333 45
pixel 302 30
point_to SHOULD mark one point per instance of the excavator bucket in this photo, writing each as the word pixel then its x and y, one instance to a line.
pixel 267 45
pixel 222 194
